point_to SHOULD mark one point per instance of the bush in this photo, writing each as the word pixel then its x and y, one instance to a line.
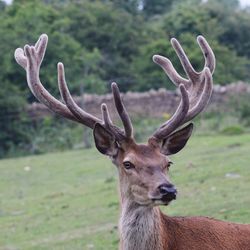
pixel 241 106
pixel 244 109
pixel 233 130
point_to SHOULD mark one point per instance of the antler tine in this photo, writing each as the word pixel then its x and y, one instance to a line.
pixel 204 97
pixel 207 53
pixel 83 117
pixel 187 66
pixel 202 88
pixel 30 61
pixel 20 57
pixel 105 116
pixel 169 69
pixel 116 131
pixel 175 121
pixel 196 79
pixel 41 46
pixel 122 111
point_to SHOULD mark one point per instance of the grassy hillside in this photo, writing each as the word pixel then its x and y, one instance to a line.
pixel 69 200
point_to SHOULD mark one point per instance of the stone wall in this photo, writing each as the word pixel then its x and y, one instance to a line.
pixel 149 104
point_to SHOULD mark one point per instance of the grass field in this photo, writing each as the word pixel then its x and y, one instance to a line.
pixel 69 200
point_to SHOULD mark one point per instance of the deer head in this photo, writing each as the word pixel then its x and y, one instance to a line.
pixel 143 168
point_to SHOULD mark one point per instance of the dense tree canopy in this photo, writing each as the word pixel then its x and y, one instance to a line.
pixel 109 40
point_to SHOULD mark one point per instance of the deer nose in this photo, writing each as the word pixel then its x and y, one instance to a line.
pixel 168 190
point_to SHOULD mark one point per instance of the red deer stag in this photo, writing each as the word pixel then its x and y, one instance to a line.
pixel 144 183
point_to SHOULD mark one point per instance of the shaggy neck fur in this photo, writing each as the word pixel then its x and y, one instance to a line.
pixel 140 226
pixel 146 228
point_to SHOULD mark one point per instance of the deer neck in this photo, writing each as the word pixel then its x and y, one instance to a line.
pixel 140 227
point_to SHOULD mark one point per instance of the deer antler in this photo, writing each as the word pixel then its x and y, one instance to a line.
pixel 30 58
pixel 195 91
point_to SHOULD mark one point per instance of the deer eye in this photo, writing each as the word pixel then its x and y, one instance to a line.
pixel 128 165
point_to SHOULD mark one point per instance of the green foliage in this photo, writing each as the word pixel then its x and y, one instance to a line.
pixel 144 127
pixel 43 136
pixel 49 135
pixel 229 4
pixel 236 35
pixel 229 66
pixel 102 41
pixel 210 20
pixel 154 7
pixel 148 74
pixel 13 129
pixel 2 5
pixel 115 32
pixel 130 6
pixel 110 40
pixel 42 18
pixel 241 106
pixel 233 130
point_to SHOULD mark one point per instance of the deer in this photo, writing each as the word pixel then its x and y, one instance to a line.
pixel 143 169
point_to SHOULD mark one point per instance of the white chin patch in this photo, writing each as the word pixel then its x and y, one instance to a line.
pixel 160 202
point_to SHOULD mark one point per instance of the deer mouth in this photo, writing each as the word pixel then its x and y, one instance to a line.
pixel 160 202
pixel 165 199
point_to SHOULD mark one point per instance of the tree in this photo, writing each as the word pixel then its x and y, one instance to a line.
pixel 12 125
pixel 156 7
pixel 187 22
pixel 114 32
pixel 229 4
pixel 2 6
pixel 236 34
pixel 150 75
pixel 41 18
pixel 131 6
pixel 112 40
pixel 152 8
pixel 23 22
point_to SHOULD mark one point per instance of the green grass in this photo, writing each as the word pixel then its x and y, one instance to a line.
pixel 69 200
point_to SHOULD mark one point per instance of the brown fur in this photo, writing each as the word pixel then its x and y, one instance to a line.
pixel 144 227
pixel 195 233
pixel 182 233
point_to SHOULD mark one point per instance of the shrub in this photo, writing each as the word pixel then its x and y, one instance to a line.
pixel 233 130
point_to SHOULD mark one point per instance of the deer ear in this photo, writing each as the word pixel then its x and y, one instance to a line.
pixel 176 141
pixel 105 141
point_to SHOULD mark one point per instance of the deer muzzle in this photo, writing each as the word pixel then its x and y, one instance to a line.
pixel 168 192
